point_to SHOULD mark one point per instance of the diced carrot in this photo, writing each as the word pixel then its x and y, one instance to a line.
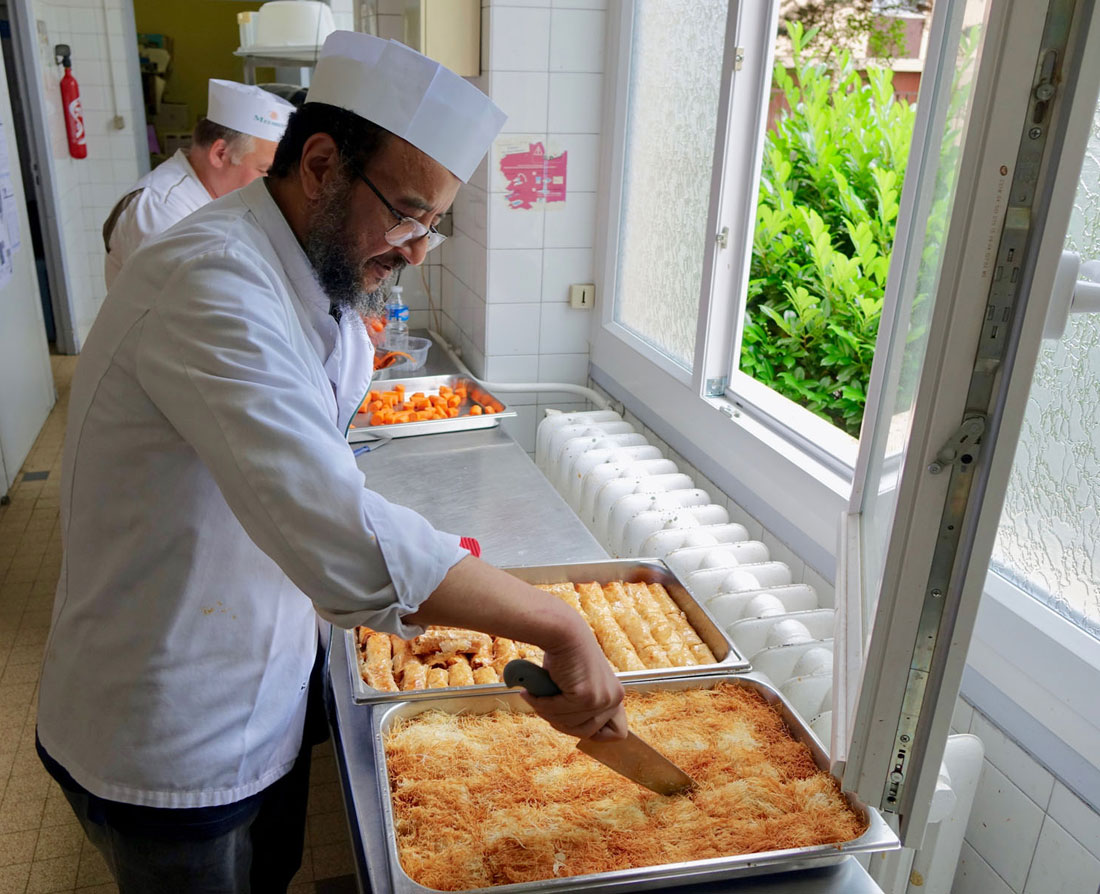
pixel 490 410
pixel 452 412
pixel 475 410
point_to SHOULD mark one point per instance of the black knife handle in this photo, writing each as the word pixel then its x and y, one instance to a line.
pixel 535 679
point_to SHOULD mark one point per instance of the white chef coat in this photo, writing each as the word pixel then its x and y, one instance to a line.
pixel 168 193
pixel 207 491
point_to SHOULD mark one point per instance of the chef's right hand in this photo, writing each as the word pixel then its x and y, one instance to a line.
pixel 591 702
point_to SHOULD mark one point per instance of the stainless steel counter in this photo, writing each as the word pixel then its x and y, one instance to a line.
pixel 482 484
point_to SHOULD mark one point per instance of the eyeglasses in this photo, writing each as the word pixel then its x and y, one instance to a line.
pixel 407 229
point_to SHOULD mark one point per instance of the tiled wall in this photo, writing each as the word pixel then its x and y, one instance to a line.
pixel 506 271
pixel 102 41
pixel 1028 833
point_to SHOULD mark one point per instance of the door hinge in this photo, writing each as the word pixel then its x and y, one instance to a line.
pixel 723 238
pixel 716 387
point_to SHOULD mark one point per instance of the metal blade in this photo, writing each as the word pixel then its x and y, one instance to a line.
pixel 640 762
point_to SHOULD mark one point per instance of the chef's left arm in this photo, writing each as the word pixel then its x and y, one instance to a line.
pixel 224 358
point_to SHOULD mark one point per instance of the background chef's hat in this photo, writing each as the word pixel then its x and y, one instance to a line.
pixel 250 110
pixel 411 96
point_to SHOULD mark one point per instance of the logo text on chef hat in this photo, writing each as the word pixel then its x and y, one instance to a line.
pixel 271 119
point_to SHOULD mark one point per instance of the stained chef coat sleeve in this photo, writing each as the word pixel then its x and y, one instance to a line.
pixel 218 357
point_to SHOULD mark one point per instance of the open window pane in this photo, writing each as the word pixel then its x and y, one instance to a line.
pixel 834 159
pixel 915 275
pixel 675 72
pixel 1049 539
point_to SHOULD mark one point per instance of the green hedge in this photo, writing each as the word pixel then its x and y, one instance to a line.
pixel 829 190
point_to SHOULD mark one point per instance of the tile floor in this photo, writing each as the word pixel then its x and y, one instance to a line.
pixel 42 848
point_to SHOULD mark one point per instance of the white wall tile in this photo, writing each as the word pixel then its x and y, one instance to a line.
pixel 1070 812
pixel 826 595
pixel 743 517
pixel 575 103
pixel 471 213
pixel 561 267
pixel 577 40
pixel 1061 864
pixel 512 329
pixel 519 39
pixel 512 368
pixel 564 330
pixel 521 428
pixel 514 275
pixel 582 160
pixel 975 876
pixel 571 368
pixel 1004 826
pixel 780 552
pixel 1025 772
pixel 523 96
pixel 962 716
pixel 572 223
pixel 514 227
pixel 579 4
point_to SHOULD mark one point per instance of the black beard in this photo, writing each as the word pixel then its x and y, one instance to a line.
pixel 330 248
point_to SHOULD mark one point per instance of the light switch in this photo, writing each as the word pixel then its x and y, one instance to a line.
pixel 582 295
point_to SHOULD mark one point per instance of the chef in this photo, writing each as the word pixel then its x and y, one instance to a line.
pixel 211 502
pixel 230 147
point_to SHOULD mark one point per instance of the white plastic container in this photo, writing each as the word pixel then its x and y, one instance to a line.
pixel 293 23
pixel 416 348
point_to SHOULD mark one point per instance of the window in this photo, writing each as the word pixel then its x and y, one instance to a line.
pixel 1048 544
pixel 692 100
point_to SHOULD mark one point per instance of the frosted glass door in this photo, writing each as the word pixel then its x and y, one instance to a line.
pixel 1048 544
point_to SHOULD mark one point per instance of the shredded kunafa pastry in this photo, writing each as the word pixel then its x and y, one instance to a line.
pixel 500 798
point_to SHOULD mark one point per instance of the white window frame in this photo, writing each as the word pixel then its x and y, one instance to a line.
pixel 794 450
pixel 783 464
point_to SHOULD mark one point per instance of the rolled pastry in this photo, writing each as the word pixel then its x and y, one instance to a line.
pixel 378 663
pixel 485 675
pixel 702 653
pixel 615 644
pixel 438 678
pixel 414 675
pixel 634 626
pixel 660 627
pixel 460 673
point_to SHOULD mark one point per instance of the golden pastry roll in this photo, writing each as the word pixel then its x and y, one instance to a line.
pixel 702 653
pixel 615 644
pixel 531 653
pixel 401 653
pixel 567 593
pixel 634 626
pixel 361 634
pixel 504 650
pixel 414 675
pixel 460 673
pixel 438 677
pixel 660 627
pixel 449 639
pixel 485 674
pixel 482 656
pixel 379 663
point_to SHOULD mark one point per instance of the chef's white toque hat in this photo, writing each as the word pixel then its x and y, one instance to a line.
pixel 395 87
pixel 247 109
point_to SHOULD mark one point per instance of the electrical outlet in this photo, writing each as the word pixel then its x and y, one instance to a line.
pixel 582 296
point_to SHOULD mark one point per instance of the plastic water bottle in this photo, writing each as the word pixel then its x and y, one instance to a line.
pixel 397 321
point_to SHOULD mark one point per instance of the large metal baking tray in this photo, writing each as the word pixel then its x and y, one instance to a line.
pixel 363 431
pixel 649 571
pixel 878 837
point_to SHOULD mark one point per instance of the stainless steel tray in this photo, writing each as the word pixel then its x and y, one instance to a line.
pixel 649 571
pixel 430 385
pixel 878 837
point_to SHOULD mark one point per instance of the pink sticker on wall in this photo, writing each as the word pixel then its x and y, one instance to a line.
pixel 534 176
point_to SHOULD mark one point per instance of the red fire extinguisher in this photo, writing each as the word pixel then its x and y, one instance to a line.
pixel 70 105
